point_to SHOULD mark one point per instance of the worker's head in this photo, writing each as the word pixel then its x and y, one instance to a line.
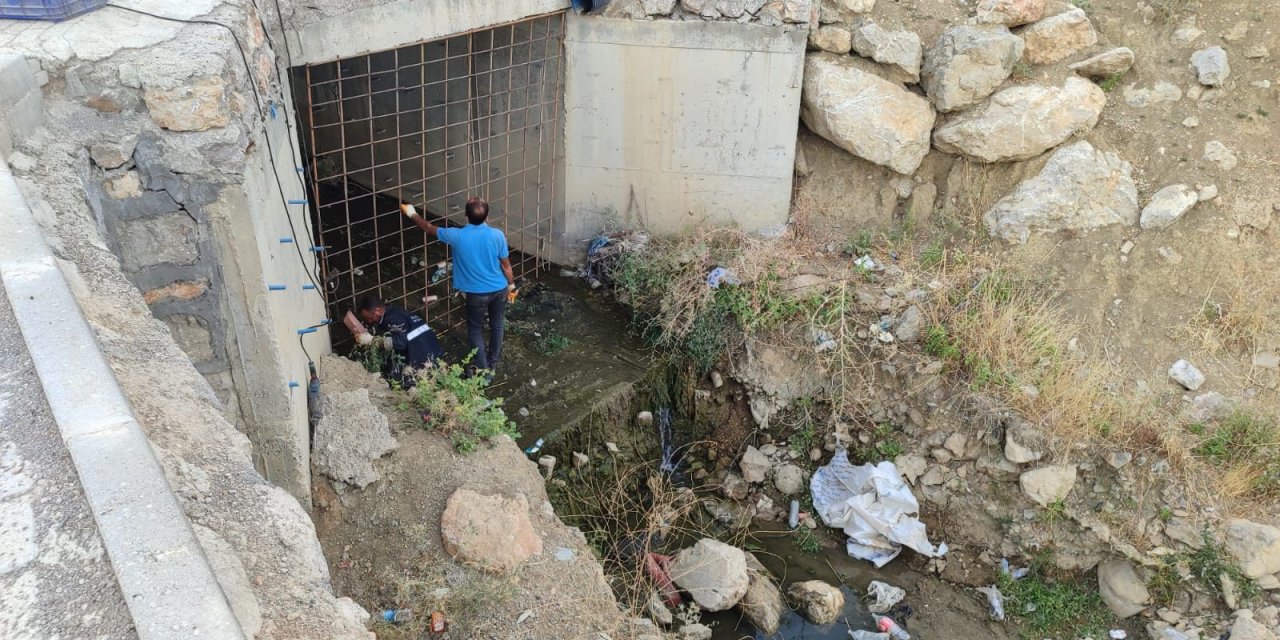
pixel 371 309
pixel 477 210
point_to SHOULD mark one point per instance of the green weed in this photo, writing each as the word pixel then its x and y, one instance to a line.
pixel 1164 582
pixel 1241 435
pixel 1056 511
pixel 932 256
pixel 457 406
pixel 1110 83
pixel 939 344
pixel 1210 562
pixel 1055 605
pixel 859 245
pixel 806 540
pixel 551 343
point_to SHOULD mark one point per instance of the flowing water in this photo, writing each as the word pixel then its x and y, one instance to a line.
pixel 667 442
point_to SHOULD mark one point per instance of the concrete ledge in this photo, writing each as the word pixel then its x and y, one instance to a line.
pixel 166 580
pixel 403 22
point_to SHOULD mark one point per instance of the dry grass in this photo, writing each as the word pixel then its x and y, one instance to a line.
pixel 1236 314
pixel 1008 339
pixel 476 604
pixel 1168 11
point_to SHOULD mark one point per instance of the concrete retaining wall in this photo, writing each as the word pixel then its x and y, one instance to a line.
pixel 671 124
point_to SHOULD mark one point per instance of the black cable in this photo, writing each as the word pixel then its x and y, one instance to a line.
pixel 266 134
pixel 288 54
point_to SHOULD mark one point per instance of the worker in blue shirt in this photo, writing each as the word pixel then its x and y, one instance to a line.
pixel 482 270
pixel 409 342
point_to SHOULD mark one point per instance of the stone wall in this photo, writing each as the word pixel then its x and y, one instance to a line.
pixel 173 139
pixel 770 13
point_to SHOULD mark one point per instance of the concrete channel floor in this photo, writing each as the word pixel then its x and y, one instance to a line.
pixel 56 580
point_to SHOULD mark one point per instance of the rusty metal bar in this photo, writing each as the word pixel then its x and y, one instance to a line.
pixel 357 180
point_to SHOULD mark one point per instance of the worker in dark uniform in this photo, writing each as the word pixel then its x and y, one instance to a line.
pixel 411 343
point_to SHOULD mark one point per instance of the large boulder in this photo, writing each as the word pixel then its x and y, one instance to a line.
pixel 967 64
pixel 714 574
pixel 1167 205
pixel 762 605
pixel 817 601
pixel 1122 589
pixel 868 116
pixel 833 38
pixel 1010 13
pixel 899 50
pixel 350 434
pixel 1055 38
pixel 491 532
pixel 1049 484
pixel 1080 188
pixel 1256 547
pixel 1023 121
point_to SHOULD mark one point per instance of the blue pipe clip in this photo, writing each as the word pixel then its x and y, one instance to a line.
pixel 276 287
pixel 298 201
pixel 306 330
pixel 308 287
pixel 293 384
pixel 317 249
pixel 286 240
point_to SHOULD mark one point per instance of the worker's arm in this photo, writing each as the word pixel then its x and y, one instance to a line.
pixel 506 271
pixel 412 214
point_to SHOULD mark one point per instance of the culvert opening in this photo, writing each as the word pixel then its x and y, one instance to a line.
pixel 476 113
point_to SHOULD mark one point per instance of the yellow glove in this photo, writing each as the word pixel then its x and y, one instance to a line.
pixel 512 292
pixel 364 339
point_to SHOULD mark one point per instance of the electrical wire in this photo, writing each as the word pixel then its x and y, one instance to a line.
pixel 266 134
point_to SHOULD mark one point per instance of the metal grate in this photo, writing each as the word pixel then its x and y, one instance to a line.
pixel 434 123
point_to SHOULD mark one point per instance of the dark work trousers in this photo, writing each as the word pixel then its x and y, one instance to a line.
pixel 495 306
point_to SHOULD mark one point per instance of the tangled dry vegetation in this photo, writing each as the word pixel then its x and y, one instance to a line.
pixel 633 510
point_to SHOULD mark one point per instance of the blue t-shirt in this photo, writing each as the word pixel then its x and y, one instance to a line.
pixel 476 251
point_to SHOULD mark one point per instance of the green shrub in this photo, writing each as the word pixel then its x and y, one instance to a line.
pixel 457 406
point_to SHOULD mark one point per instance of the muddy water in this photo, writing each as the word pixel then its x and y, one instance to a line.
pixel 562 384
pixel 938 610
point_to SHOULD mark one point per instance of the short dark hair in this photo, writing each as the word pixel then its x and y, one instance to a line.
pixel 477 210
pixel 371 303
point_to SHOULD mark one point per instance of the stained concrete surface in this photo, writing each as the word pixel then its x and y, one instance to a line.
pixel 55 578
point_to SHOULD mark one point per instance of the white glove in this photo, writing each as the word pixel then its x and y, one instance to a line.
pixel 408 210
pixel 364 339
pixel 386 343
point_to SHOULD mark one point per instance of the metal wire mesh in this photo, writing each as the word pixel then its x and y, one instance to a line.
pixel 432 124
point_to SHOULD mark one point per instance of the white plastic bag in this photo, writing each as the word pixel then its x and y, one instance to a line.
pixel 875 508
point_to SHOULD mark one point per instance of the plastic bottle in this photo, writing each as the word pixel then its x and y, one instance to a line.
pixel 442 270
pixel 793 519
pixel 887 625
pixel 858 634
pixel 397 616
pixel 537 446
